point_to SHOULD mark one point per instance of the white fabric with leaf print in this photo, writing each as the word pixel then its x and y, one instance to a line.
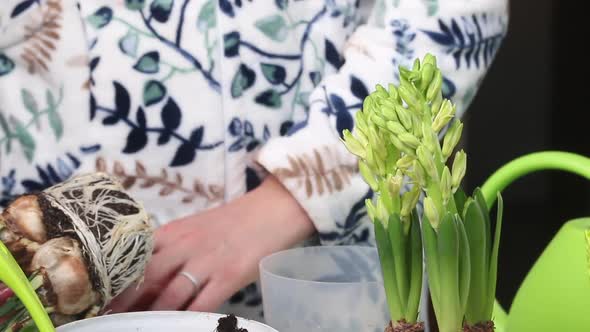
pixel 192 102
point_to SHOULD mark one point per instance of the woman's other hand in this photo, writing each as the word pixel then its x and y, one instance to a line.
pixel 220 248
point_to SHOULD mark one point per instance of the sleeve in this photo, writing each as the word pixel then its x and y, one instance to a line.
pixel 312 162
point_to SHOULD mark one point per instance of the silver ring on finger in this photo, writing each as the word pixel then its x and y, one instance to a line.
pixel 194 281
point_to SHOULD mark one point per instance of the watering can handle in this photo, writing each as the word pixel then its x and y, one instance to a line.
pixel 534 162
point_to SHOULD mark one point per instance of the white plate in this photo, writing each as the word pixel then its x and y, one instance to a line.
pixel 158 321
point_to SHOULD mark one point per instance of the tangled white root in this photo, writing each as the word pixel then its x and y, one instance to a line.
pixel 113 229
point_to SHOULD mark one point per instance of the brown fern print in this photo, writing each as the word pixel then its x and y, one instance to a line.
pixel 169 184
pixel 41 40
pixel 309 171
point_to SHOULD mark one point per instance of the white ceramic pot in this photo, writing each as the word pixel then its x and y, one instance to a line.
pixel 158 321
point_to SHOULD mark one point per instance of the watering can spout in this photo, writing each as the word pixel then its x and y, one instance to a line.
pixel 549 160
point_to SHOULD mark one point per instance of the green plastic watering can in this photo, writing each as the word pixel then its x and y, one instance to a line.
pixel 555 295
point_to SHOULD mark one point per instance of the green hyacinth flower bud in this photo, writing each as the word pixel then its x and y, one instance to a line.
pixel 427 161
pixel 353 145
pixel 409 140
pixel 459 169
pixel 446 185
pixel 446 113
pixel 435 86
pixel 452 138
pixel 429 138
pixel 368 175
pixel 405 162
pixel 404 116
pixel 427 75
pixel 393 94
pixel 409 201
pixel 371 211
pixel 396 128
pixel 431 212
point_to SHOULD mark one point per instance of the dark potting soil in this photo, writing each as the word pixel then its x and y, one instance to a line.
pixel 229 323
pixel 403 326
pixel 480 327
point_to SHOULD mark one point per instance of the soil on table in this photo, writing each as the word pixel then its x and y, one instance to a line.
pixel 480 327
pixel 403 326
pixel 229 323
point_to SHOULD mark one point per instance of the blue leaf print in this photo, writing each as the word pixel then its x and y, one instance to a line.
pixel 315 77
pixel 140 116
pixel 358 88
pixel 184 155
pixel 357 212
pixel 282 4
pixel 164 138
pixel 466 42
pixel 274 74
pixel 337 103
pixel 343 121
pixel 226 7
pixel 22 6
pixel 136 140
pixel 448 88
pixel 231 44
pixel 197 136
pixel 266 133
pixel 122 100
pixel 285 127
pixel 90 148
pixel 6 64
pixel 237 145
pixel 252 179
pixel 252 145
pixel 160 10
pixel 248 129
pixel 149 63
pixel 171 115
pixel 92 106
pixel 332 55
pixel 101 17
pixel 94 62
pixel 235 127
pixel 270 98
pixel 243 80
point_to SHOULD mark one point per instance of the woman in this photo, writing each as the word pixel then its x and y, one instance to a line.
pixel 223 117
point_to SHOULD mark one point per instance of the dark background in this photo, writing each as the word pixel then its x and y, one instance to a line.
pixel 534 98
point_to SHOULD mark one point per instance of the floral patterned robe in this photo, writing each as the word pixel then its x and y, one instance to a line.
pixel 193 102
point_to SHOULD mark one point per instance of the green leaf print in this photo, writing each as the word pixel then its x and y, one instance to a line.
pixel 149 63
pixel 153 92
pixel 274 27
pixel 243 80
pixel 25 138
pixel 7 132
pixel 275 74
pixel 128 43
pixel 54 118
pixel 431 6
pixel 135 4
pixel 207 18
pixel 29 102
pixel 6 65
pixel 101 17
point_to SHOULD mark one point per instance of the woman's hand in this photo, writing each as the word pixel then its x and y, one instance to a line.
pixel 220 247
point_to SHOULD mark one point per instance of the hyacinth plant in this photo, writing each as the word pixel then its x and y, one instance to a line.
pixel 396 140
